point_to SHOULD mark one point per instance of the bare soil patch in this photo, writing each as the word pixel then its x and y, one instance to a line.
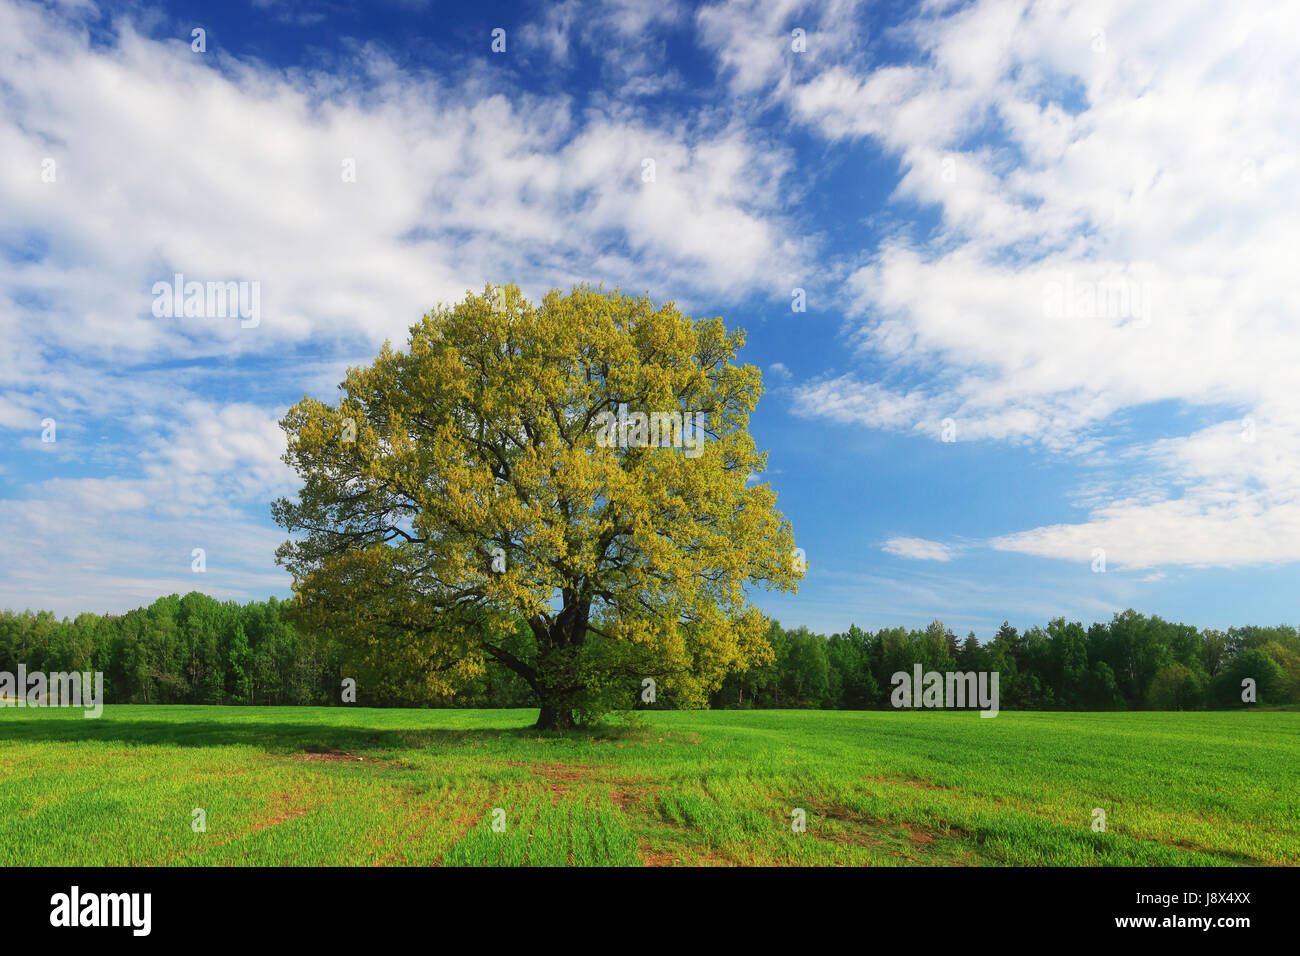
pixel 326 755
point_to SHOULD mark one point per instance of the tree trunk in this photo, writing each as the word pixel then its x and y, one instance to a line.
pixel 555 716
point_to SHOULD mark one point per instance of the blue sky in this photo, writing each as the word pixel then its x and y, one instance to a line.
pixel 1048 254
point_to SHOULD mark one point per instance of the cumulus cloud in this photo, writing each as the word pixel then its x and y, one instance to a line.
pixel 1118 206
pixel 170 161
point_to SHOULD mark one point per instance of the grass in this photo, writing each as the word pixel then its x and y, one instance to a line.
pixel 350 786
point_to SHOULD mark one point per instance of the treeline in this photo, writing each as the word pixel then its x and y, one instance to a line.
pixel 197 650
pixel 1130 662
pixel 179 650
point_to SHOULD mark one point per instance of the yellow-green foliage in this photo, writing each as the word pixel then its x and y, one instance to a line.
pixel 480 440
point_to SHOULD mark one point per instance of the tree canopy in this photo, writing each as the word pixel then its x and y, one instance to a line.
pixel 541 462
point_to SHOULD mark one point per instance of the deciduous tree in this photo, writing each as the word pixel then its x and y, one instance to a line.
pixel 460 483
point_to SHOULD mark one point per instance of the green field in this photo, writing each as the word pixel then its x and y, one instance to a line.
pixel 340 786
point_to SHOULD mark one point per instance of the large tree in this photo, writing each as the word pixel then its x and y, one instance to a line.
pixel 499 471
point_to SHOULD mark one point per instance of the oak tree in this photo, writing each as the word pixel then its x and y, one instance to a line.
pixel 536 466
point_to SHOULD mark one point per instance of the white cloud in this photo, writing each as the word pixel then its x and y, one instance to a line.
pixel 754 43
pixel 1229 496
pixel 919 549
pixel 110 543
pixel 171 161
pixel 622 35
pixel 1119 194
pixel 64 551
pixel 846 400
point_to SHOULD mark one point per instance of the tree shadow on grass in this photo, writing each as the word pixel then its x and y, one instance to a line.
pixel 277 736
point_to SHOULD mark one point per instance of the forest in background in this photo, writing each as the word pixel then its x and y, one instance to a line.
pixel 197 650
